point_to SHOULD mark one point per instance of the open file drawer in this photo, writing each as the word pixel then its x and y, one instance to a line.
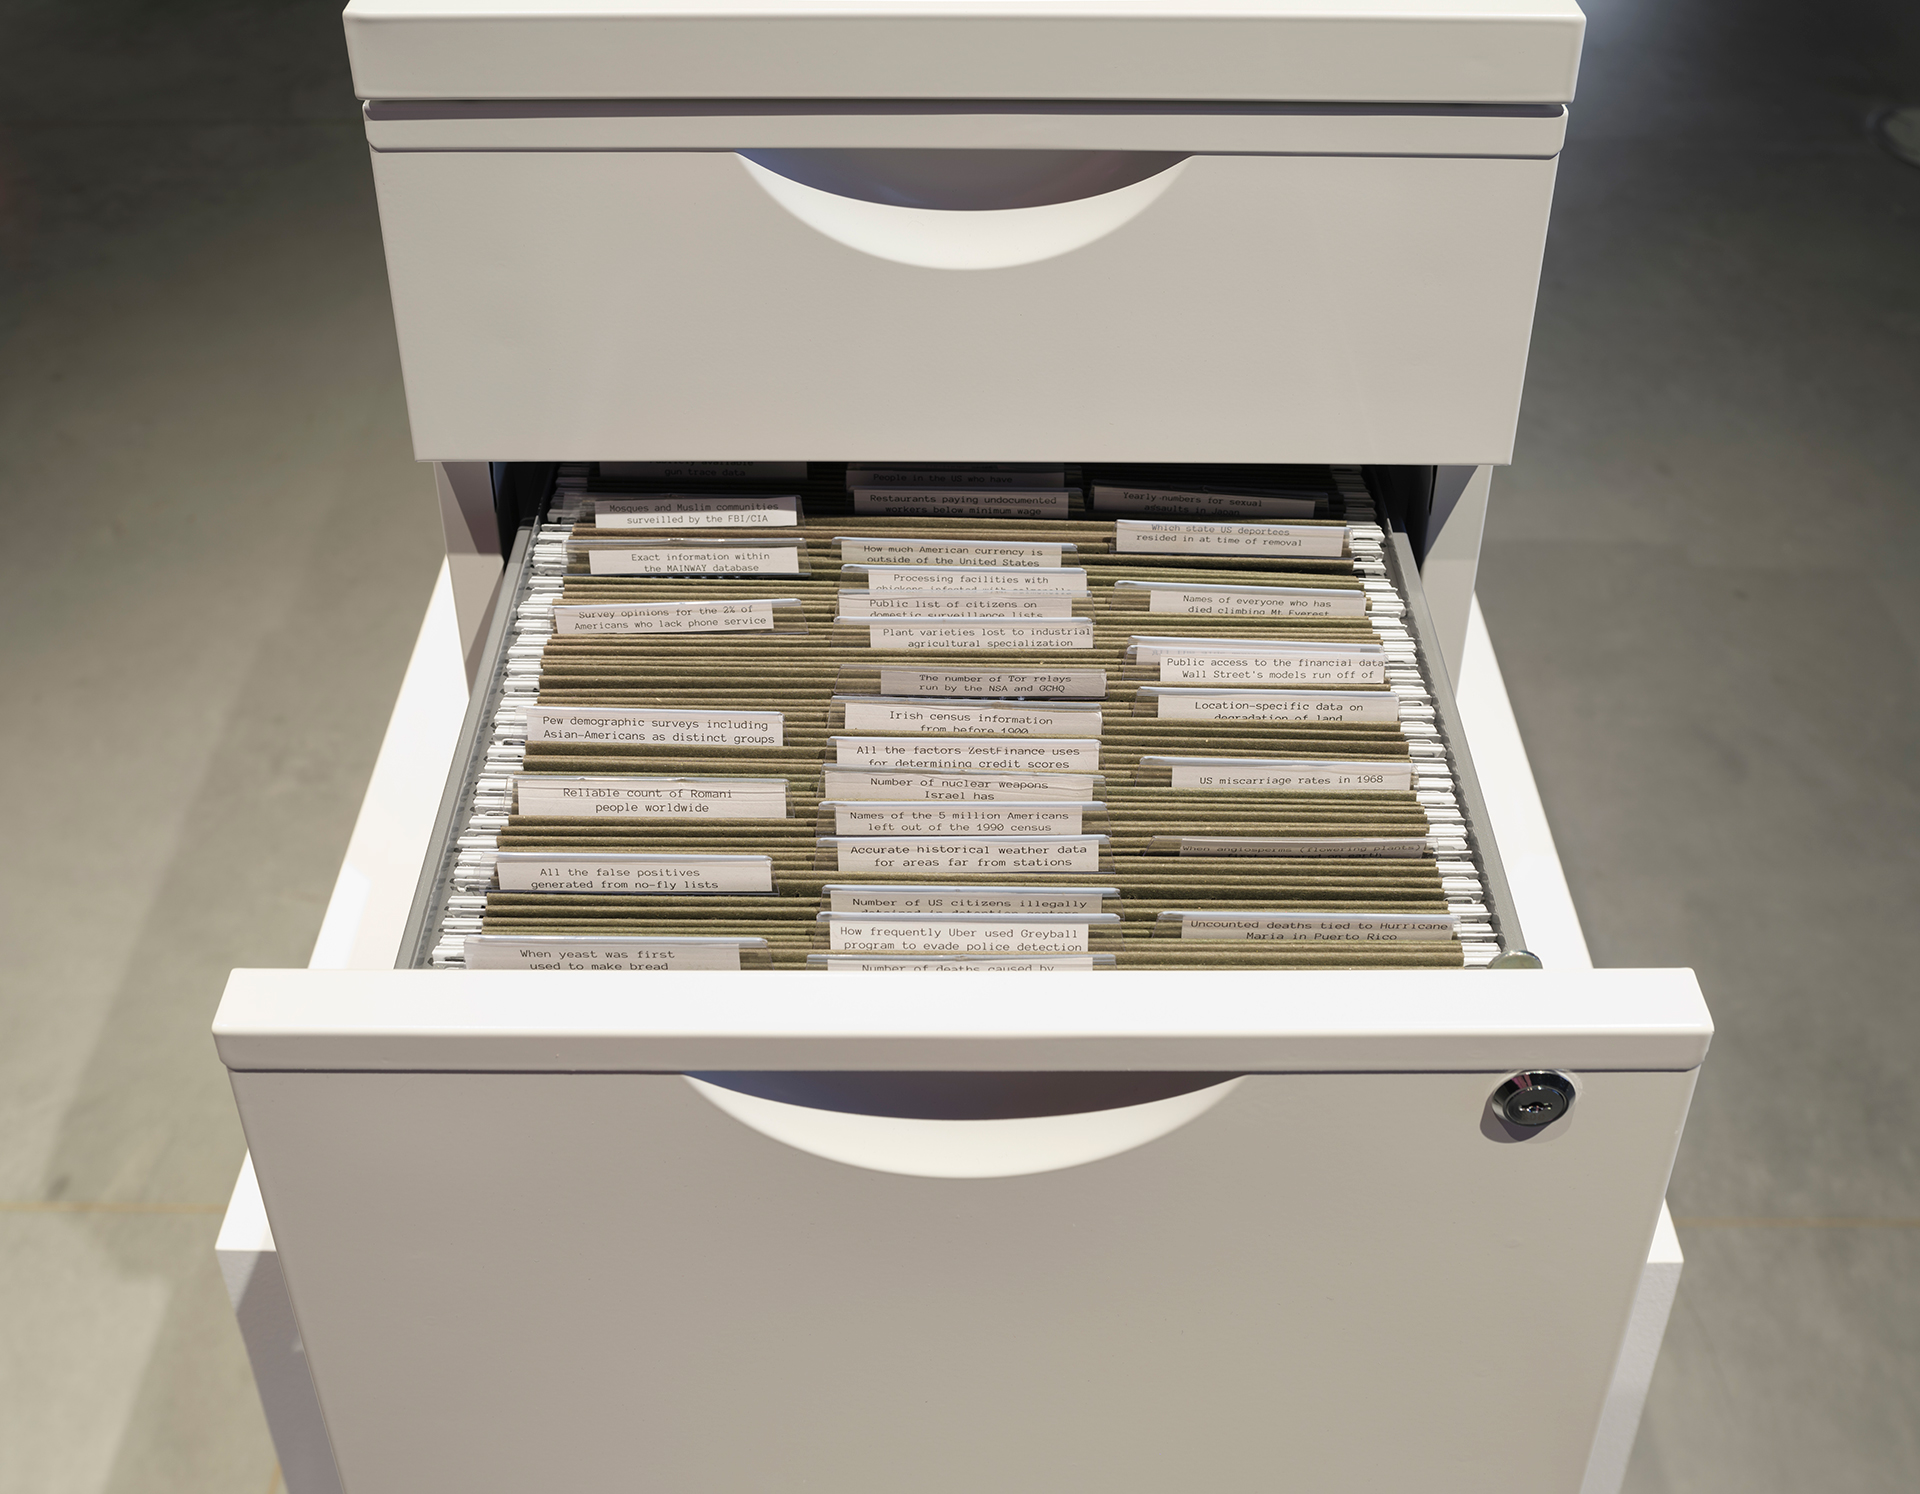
pixel 1131 1227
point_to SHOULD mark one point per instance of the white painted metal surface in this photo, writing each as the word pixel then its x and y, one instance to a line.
pixel 1452 51
pixel 1261 308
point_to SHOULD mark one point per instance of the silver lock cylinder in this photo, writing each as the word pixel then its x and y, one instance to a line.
pixel 1534 1097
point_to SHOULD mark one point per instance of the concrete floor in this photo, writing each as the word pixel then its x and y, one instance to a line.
pixel 220 549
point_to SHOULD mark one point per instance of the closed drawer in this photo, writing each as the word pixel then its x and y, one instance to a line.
pixel 661 303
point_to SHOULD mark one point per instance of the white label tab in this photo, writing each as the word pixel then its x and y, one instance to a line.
pixel 1063 581
pixel 1275 601
pixel 957 788
pixel 1298 777
pixel 952 604
pixel 934 965
pixel 501 952
pixel 673 560
pixel 654 872
pixel 920 817
pixel 1351 848
pixel 988 684
pixel 984 936
pixel 1007 720
pixel 645 726
pixel 666 617
pixel 1054 754
pixel 971 902
pixel 1195 503
pixel 1271 666
pixel 596 798
pixel 1357 928
pixel 917 855
pixel 1016 554
pixel 1318 708
pixel 1073 632
pixel 1172 537
pixel 692 511
pixel 960 503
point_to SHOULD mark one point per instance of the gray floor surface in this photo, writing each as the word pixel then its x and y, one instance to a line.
pixel 219 549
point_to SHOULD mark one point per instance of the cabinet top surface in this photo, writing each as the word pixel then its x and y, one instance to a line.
pixel 1389 51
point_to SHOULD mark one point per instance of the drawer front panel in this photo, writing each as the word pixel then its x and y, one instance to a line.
pixel 634 305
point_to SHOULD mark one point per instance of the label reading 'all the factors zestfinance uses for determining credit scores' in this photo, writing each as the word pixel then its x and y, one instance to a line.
pixel 1041 754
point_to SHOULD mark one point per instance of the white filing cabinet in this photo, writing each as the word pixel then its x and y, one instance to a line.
pixel 1132 1232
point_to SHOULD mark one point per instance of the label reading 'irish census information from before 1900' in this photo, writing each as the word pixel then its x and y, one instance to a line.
pixel 696 511
pixel 1174 537
pixel 1006 719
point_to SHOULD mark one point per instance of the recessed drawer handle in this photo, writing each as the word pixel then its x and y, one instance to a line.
pixel 1010 1146
pixel 963 209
